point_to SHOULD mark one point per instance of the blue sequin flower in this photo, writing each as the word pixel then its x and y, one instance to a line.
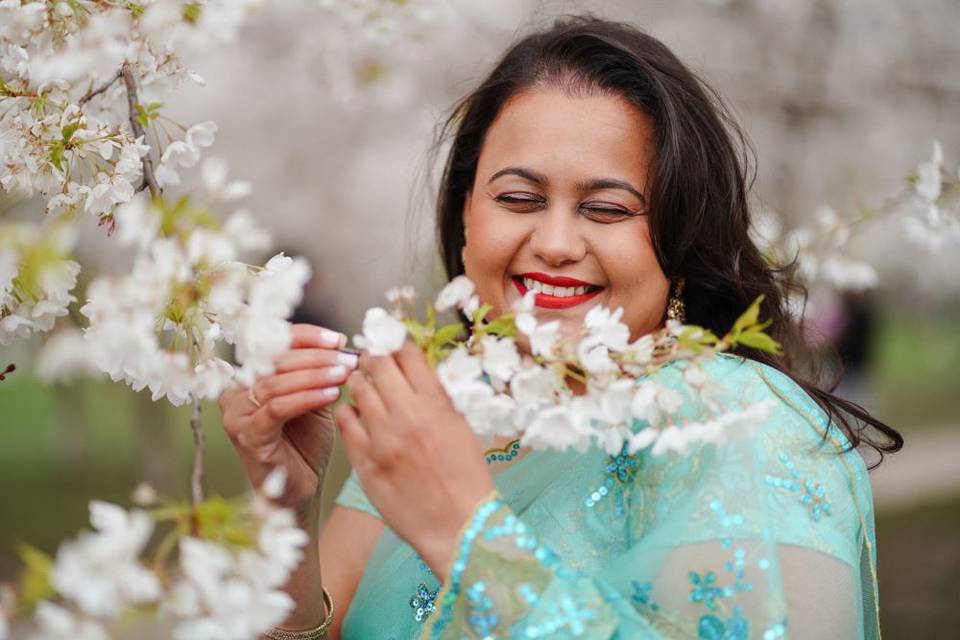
pixel 704 589
pixel 641 595
pixel 714 628
pixel 423 602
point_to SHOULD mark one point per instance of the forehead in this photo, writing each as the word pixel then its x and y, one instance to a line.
pixel 564 135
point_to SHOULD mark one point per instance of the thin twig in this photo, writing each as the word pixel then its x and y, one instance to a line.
pixel 196 478
pixel 89 95
pixel 149 178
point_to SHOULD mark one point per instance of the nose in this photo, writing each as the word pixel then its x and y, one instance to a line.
pixel 557 238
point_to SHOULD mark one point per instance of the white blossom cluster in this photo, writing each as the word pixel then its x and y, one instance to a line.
pixel 217 591
pixel 930 214
pixel 501 392
pixel 36 278
pixel 226 594
pixel 62 138
pixel 820 253
pixel 935 219
pixel 159 326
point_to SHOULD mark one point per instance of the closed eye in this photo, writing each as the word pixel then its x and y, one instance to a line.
pixel 516 202
pixel 607 214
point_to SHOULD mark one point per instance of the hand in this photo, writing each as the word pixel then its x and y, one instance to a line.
pixel 293 426
pixel 420 463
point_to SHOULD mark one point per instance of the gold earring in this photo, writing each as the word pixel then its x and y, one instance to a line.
pixel 675 308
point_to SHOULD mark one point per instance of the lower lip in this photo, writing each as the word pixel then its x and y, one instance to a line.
pixel 547 301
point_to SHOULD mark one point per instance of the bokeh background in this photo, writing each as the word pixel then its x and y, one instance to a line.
pixel 841 100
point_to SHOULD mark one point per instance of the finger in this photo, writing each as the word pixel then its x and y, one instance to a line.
pixel 230 395
pixel 310 335
pixel 307 358
pixel 269 387
pixel 356 440
pixel 269 418
pixel 388 379
pixel 366 397
pixel 413 362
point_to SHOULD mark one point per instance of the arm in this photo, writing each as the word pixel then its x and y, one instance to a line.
pixel 345 546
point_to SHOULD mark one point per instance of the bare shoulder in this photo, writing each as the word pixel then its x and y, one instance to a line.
pixel 347 541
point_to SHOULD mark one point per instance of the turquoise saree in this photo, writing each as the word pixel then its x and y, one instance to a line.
pixel 767 535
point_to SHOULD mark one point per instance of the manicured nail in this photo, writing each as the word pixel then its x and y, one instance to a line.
pixel 331 392
pixel 349 359
pixel 330 338
pixel 335 373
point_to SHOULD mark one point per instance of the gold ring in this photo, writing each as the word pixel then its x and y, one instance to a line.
pixel 252 397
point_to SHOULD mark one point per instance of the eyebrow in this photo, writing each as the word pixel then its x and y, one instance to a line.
pixel 594 184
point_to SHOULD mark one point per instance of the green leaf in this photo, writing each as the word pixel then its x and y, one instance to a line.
pixel 416 330
pixel 153 106
pixel 758 340
pixel 693 334
pixel 69 130
pixel 481 313
pixel 219 520
pixel 35 584
pixel 191 12
pixel 749 317
pixel 56 155
pixel 504 326
pixel 447 333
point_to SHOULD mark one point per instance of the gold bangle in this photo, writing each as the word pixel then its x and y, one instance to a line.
pixel 317 633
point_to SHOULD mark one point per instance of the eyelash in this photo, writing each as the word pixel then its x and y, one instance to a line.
pixel 513 201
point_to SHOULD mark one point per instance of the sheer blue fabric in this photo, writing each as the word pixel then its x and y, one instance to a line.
pixel 768 535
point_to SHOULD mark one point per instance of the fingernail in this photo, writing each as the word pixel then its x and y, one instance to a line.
pixel 348 359
pixel 335 373
pixel 329 338
pixel 331 392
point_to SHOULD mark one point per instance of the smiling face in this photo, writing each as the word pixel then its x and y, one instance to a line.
pixel 558 204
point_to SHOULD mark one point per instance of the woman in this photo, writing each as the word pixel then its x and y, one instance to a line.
pixel 589 157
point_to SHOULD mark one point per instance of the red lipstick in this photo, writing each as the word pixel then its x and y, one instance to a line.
pixel 548 301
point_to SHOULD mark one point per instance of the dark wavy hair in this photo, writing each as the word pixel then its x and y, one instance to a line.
pixel 699 212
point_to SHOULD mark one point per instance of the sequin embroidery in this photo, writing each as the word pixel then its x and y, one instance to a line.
pixel 813 494
pixel 712 627
pixel 423 602
pixel 621 470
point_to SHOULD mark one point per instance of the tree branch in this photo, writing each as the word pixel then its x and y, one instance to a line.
pixel 148 176
pixel 89 95
pixel 196 478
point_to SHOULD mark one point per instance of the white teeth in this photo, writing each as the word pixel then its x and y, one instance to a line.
pixel 550 290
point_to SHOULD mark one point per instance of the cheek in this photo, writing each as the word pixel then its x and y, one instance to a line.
pixel 493 242
pixel 638 283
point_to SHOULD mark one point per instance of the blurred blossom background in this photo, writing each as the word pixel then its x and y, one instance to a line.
pixel 332 120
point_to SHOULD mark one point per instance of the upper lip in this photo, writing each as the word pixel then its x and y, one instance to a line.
pixel 556 281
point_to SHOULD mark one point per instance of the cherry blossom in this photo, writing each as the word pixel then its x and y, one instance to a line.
pixel 382 333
